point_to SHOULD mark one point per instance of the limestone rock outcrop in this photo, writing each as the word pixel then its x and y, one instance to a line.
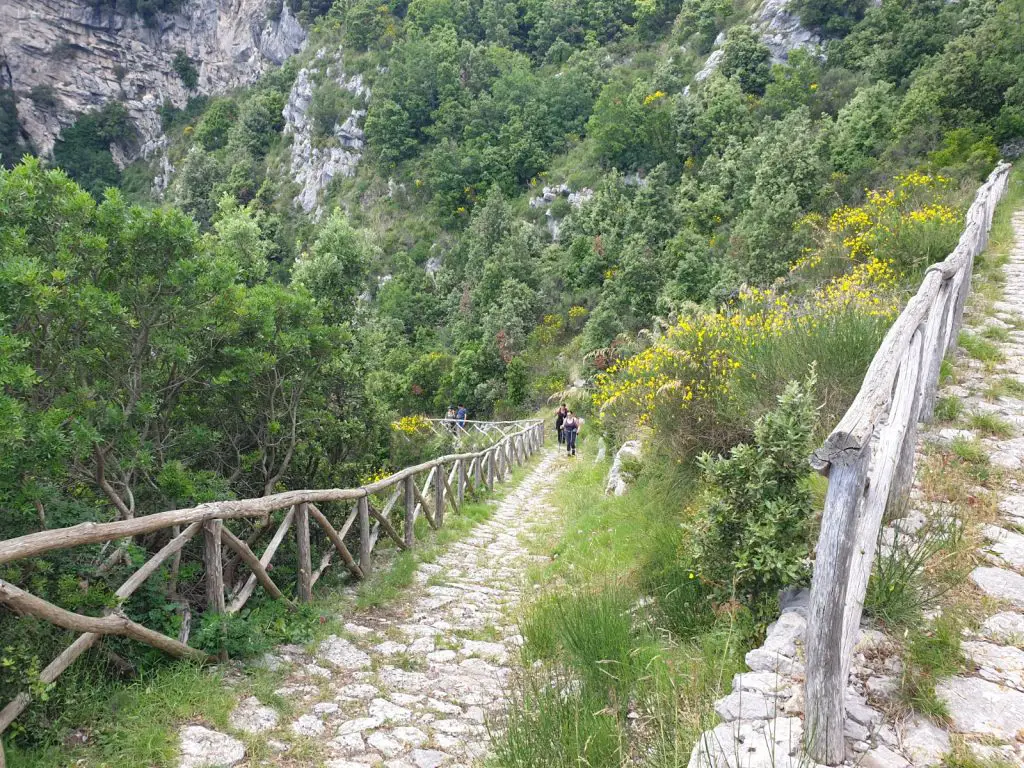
pixel 82 57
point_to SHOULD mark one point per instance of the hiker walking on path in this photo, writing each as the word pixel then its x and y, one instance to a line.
pixel 449 419
pixel 560 415
pixel 571 426
pixel 460 418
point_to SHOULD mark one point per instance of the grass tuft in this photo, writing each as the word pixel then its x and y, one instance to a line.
pixel 948 408
pixel 980 348
pixel 991 424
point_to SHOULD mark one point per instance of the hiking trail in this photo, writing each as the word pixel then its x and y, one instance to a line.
pixel 410 685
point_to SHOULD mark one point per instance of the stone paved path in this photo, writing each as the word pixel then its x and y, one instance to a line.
pixel 987 707
pixel 412 686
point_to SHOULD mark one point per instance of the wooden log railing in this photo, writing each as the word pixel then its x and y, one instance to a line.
pixel 869 461
pixel 450 476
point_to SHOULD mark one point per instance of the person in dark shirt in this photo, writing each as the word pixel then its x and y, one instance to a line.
pixel 460 417
pixel 559 418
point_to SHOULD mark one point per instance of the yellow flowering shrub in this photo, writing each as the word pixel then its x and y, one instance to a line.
pixel 412 425
pixel 706 378
pixel 909 224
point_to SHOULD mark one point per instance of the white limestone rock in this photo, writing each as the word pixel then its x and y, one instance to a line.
pixel 205 748
pixel 340 653
pixel 923 742
pixel 251 716
pixel 982 708
pixel 619 476
pixel 1000 584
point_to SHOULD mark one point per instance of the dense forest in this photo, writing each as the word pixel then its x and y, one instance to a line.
pixel 221 341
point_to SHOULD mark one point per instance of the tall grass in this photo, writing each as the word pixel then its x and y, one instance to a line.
pixel 623 660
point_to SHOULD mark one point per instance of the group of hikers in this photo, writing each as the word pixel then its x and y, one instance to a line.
pixel 567 425
pixel 455 419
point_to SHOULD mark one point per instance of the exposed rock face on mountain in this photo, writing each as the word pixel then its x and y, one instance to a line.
pixel 781 29
pixel 80 58
pixel 317 160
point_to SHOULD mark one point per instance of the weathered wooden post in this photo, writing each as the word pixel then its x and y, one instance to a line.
pixel 305 589
pixel 214 565
pixel 934 349
pixel 410 511
pixel 460 478
pixel 364 536
pixel 439 495
pixel 478 474
pixel 490 469
pixel 825 687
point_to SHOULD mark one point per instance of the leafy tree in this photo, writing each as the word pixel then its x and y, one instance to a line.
pixel 864 128
pixel 335 268
pixel 83 149
pixel 747 58
pixel 211 132
pixel 833 18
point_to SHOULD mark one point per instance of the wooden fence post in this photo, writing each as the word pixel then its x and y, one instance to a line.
pixel 305 553
pixel 460 478
pixel 439 475
pixel 213 564
pixel 478 474
pixel 364 536
pixel 825 689
pixel 490 469
pixel 410 510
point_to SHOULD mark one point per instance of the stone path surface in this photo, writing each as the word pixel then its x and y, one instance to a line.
pixel 411 687
pixel 986 708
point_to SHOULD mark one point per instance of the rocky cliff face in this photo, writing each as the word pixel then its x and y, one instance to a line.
pixel 78 58
pixel 315 163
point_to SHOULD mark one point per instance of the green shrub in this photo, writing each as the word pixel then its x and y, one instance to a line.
pixel 186 69
pixel 83 149
pixel 758 506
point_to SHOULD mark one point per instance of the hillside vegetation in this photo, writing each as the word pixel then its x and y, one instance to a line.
pixel 725 238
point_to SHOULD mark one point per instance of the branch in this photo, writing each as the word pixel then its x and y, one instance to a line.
pixel 115 624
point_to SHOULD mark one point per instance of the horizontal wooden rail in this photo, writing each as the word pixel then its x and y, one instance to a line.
pixel 452 477
pixel 869 461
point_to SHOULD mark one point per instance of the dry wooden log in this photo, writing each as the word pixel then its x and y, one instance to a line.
pixel 422 504
pixel 242 595
pixel 825 689
pixel 69 655
pixel 248 557
pixel 38 543
pixel 388 528
pixel 439 490
pixel 115 624
pixel 855 428
pixel 325 563
pixel 934 351
pixel 886 453
pixel 337 539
